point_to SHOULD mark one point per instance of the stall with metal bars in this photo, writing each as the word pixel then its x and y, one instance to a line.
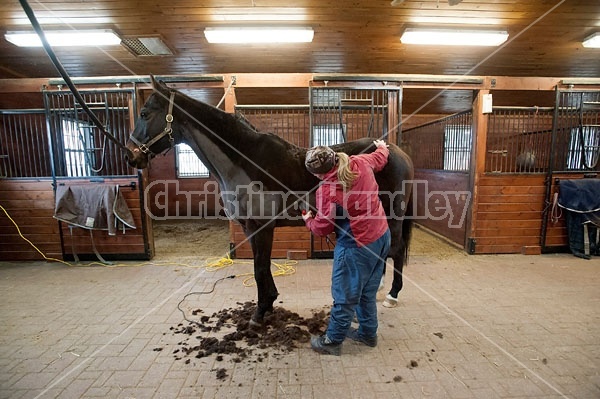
pixel 333 115
pixel 26 190
pixel 339 114
pixel 441 151
pixel 575 152
pixel 79 147
pixel 22 136
pixel 58 146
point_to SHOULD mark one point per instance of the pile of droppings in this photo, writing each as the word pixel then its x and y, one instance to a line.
pixel 227 334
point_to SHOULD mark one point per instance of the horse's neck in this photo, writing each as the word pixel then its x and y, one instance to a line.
pixel 219 143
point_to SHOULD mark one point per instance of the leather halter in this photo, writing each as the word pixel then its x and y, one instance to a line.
pixel 145 147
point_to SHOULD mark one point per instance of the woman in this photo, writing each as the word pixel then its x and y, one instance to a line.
pixel 347 202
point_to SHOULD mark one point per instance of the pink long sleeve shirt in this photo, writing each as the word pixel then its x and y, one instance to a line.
pixel 356 215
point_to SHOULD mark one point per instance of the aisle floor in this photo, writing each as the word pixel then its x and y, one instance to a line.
pixel 504 326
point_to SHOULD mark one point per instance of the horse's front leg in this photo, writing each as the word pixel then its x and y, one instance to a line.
pixel 261 241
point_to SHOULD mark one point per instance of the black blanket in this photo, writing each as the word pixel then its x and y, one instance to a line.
pixel 581 200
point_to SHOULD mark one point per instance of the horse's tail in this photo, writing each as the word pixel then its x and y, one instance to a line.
pixel 407 225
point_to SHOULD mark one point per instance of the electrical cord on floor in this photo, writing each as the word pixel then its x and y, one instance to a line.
pixel 50 259
pixel 29 242
pixel 200 293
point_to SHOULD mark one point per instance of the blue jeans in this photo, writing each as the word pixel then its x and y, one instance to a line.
pixel 354 282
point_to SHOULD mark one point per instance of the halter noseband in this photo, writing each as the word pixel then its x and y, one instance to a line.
pixel 145 147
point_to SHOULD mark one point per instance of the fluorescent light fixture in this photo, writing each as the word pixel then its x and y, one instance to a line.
pixel 259 35
pixel 592 41
pixel 94 37
pixel 454 37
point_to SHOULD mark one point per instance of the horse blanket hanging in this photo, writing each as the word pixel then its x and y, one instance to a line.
pixel 93 207
pixel 581 200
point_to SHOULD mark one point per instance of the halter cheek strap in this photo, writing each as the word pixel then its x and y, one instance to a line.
pixel 145 147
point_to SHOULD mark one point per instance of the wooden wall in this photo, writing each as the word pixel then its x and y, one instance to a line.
pixel 30 203
pixel 129 245
pixel 286 239
pixel 507 215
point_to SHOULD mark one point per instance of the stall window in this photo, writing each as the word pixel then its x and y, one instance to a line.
pixel 328 135
pixel 457 147
pixel 584 148
pixel 78 144
pixel 188 164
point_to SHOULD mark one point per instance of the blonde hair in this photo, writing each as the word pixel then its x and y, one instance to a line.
pixel 344 174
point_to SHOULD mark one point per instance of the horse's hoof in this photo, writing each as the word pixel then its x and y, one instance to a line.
pixel 390 301
pixel 254 324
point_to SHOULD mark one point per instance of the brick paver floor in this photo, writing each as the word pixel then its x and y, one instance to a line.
pixel 504 326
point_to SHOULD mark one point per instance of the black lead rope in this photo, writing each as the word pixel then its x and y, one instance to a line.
pixel 38 29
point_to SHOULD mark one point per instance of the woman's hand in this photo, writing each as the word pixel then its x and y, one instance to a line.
pixel 307 215
pixel 380 143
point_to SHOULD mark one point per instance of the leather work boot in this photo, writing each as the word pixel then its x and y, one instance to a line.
pixel 369 341
pixel 323 344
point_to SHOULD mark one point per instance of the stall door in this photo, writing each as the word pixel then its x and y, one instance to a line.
pixel 84 159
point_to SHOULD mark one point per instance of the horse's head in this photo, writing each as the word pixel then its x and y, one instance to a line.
pixel 153 132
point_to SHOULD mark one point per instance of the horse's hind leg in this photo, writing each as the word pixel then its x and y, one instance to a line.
pixel 398 251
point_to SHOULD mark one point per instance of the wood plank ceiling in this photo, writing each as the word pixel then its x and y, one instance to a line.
pixel 356 37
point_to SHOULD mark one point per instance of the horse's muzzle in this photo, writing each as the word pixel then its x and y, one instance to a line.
pixel 135 158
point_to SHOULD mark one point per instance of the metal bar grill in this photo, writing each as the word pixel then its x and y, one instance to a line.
pixel 346 114
pixel 24 144
pixel 577 131
pixel 79 147
pixel 518 139
pixel 444 144
pixel 290 122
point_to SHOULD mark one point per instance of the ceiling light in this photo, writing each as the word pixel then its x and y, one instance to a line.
pixel 96 37
pixel 454 37
pixel 592 41
pixel 259 35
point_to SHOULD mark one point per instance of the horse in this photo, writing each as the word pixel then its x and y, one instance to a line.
pixel 263 181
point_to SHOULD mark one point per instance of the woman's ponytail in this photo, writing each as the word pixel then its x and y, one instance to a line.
pixel 344 174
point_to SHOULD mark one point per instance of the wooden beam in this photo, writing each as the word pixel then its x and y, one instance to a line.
pixel 288 80
pixel 273 79
pixel 478 153
pixel 22 85
pixel 520 83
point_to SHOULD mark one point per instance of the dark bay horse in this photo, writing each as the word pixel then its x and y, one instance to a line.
pixel 262 177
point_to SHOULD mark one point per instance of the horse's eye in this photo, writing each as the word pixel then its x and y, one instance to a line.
pixel 143 114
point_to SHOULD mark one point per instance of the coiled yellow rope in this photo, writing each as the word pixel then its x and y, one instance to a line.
pixel 282 269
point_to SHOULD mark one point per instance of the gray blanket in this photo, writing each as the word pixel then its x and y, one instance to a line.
pixel 94 207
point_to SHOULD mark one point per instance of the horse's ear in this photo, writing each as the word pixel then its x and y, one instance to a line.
pixel 159 86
